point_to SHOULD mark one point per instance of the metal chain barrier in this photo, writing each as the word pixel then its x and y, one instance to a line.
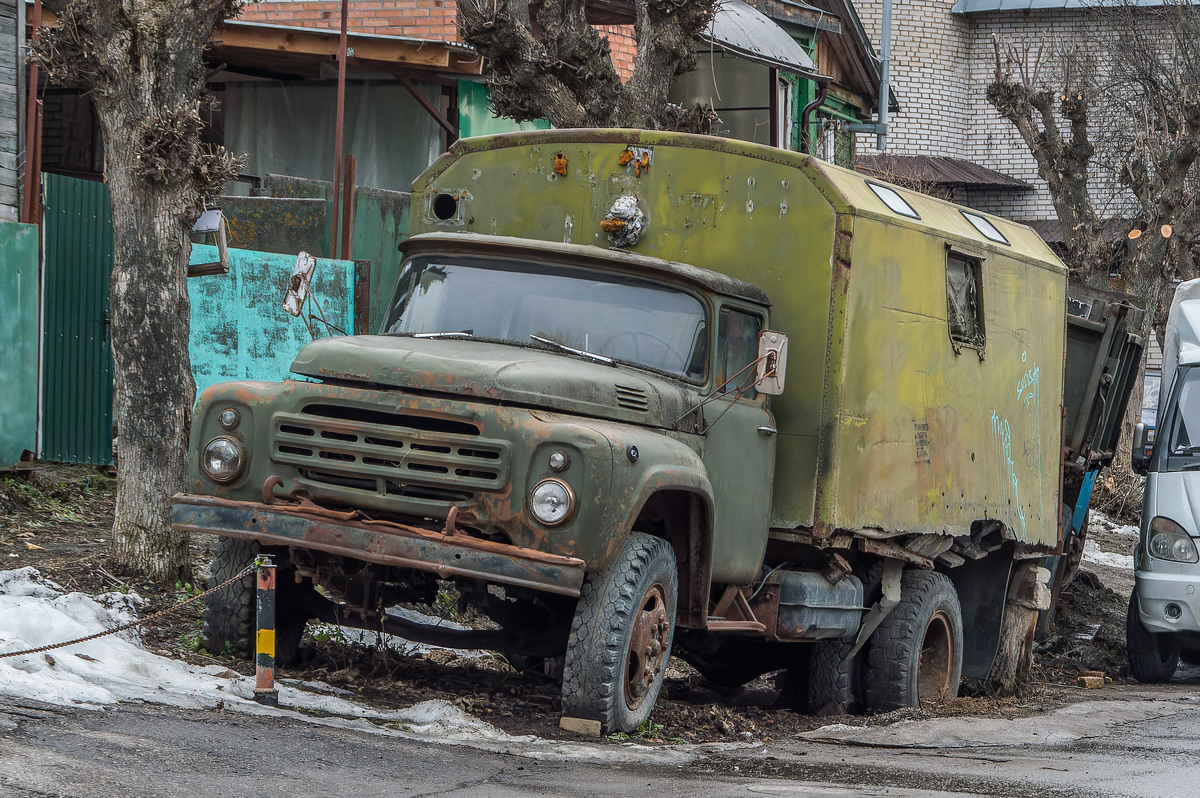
pixel 160 614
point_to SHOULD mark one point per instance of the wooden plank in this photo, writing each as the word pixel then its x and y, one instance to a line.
pixel 326 44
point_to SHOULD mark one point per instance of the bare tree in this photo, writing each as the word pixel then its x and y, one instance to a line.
pixel 140 60
pixel 545 60
pixel 1132 125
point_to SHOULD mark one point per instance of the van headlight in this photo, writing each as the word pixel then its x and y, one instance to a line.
pixel 551 501
pixel 1169 541
pixel 222 459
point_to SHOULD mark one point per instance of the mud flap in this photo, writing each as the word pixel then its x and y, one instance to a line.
pixel 982 586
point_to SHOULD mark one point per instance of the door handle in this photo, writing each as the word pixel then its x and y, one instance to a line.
pixel 768 430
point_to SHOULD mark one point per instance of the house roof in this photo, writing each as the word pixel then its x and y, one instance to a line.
pixel 980 6
pixel 938 170
pixel 1051 230
pixel 737 28
pixel 290 51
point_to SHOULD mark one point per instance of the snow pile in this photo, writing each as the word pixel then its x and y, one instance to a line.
pixel 36 612
pixel 116 668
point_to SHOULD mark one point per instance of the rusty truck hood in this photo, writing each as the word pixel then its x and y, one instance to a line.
pixel 499 372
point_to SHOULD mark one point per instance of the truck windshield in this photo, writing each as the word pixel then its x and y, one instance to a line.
pixel 624 318
pixel 1183 427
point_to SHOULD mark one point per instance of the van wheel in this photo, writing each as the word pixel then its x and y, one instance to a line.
pixel 621 637
pixel 1152 657
pixel 229 614
pixel 915 656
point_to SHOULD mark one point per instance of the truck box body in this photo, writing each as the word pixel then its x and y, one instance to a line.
pixel 887 425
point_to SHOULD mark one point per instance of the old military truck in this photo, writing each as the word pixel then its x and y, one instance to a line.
pixel 641 390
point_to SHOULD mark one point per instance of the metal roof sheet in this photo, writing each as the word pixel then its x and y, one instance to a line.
pixel 737 28
pixel 939 170
pixel 980 6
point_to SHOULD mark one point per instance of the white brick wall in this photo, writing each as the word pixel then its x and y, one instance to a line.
pixel 941 65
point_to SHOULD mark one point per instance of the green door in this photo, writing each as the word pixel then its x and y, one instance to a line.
pixel 77 376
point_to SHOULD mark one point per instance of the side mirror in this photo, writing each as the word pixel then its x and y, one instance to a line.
pixel 1142 448
pixel 772 362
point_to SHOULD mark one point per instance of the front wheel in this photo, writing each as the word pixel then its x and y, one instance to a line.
pixel 229 622
pixel 915 656
pixel 621 637
pixel 1152 657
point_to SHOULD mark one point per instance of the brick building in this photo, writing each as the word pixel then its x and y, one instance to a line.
pixel 943 59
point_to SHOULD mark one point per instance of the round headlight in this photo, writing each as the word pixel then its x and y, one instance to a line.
pixel 229 418
pixel 222 459
pixel 550 502
pixel 559 461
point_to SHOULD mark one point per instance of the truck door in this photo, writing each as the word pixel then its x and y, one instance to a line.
pixel 739 450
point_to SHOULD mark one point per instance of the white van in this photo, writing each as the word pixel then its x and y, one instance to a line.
pixel 1164 609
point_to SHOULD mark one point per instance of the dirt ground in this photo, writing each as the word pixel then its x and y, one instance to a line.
pixel 57 519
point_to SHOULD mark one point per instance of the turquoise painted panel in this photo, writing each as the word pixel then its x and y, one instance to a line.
pixel 475 117
pixel 18 340
pixel 240 330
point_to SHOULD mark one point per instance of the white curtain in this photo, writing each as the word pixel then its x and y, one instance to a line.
pixel 288 128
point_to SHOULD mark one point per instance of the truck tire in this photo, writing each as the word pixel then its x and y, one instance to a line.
pixel 915 656
pixel 621 636
pixel 833 681
pixel 229 614
pixel 1152 657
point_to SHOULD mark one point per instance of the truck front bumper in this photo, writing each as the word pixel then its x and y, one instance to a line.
pixel 1169 602
pixel 385 543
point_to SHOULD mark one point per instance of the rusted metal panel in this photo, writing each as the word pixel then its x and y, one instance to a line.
pixel 386 544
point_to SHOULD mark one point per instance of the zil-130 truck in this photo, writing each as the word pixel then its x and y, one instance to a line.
pixel 648 394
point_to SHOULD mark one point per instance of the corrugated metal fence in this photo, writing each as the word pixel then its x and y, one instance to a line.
pixel 77 372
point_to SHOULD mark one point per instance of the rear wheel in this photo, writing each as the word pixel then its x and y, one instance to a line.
pixel 229 614
pixel 834 679
pixel 915 656
pixel 1152 657
pixel 621 637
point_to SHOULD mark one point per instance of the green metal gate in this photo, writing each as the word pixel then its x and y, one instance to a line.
pixel 77 381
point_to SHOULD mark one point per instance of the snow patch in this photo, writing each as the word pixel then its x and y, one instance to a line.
pixel 116 668
pixel 1093 554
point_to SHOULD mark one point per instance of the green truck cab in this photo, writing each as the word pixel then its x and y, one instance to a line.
pixel 641 394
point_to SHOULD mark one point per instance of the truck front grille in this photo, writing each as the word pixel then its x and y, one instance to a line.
pixel 398 454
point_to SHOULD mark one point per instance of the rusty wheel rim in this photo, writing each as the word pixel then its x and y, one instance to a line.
pixel 935 668
pixel 647 653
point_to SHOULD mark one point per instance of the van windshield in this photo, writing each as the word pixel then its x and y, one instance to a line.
pixel 624 318
pixel 1183 427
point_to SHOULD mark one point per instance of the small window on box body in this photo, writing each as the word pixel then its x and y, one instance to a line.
pixel 964 300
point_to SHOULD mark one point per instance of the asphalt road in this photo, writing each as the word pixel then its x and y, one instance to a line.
pixel 1143 744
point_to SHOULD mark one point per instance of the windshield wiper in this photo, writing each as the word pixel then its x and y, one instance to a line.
pixel 573 350
pixel 459 334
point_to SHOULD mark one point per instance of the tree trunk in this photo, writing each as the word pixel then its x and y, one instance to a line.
pixel 140 60
pixel 154 388
pixel 1028 595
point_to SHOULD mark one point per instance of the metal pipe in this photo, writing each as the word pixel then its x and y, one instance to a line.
pixel 27 204
pixel 822 91
pixel 337 134
pixel 347 250
pixel 885 93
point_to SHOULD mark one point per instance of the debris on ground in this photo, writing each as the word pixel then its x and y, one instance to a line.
pixel 58 519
